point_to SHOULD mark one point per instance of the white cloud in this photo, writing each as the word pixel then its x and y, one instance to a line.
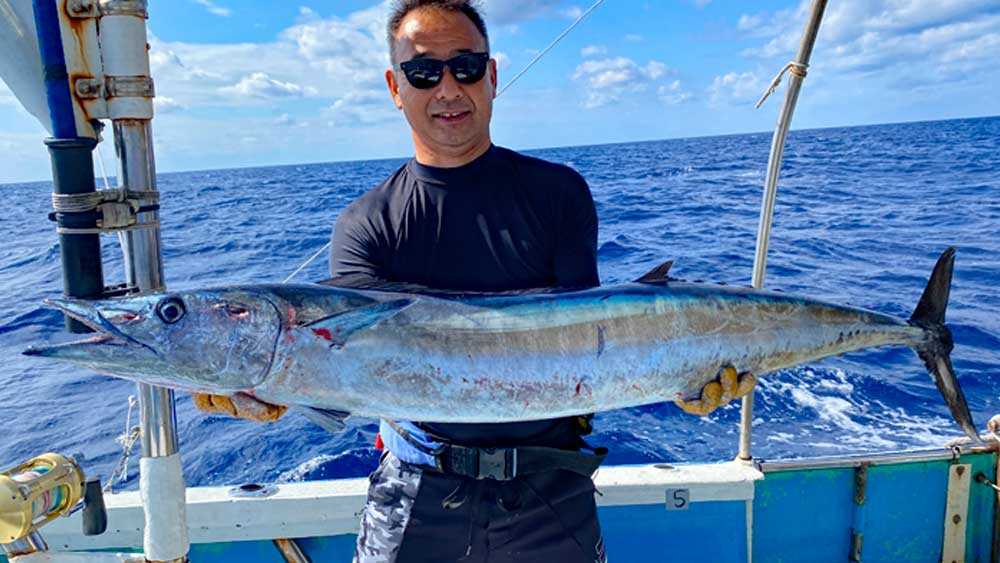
pixel 506 12
pixel 164 104
pixel 673 94
pixel 607 80
pixel 733 88
pixel 655 70
pixel 329 59
pixel 866 36
pixel 360 108
pixel 260 85
pixel 572 13
pixel 214 8
pixel 593 50
pixel 633 38
pixel 503 60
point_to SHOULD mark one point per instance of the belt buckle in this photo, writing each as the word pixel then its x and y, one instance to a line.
pixel 494 464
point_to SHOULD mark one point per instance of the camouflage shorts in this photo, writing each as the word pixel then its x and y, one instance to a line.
pixel 416 516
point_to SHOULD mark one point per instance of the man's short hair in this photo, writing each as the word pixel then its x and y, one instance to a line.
pixel 404 7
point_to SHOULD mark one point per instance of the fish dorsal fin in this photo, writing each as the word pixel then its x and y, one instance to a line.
pixel 657 274
pixel 337 329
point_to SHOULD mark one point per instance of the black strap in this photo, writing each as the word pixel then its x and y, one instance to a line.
pixel 504 464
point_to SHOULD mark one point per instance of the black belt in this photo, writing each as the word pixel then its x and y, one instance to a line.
pixel 504 464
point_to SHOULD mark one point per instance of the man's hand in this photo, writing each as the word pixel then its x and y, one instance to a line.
pixel 728 385
pixel 239 405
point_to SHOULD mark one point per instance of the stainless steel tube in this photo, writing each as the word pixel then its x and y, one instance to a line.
pixel 144 270
pixel 771 188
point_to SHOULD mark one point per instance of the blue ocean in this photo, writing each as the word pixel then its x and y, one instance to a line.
pixel 862 214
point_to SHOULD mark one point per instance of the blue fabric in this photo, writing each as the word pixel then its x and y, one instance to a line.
pixel 403 449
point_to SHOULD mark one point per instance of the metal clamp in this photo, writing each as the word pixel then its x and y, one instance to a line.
pixel 82 9
pixel 129 87
pixel 136 8
pixel 89 88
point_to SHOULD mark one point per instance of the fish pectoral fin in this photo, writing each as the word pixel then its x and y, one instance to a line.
pixel 657 274
pixel 328 419
pixel 337 329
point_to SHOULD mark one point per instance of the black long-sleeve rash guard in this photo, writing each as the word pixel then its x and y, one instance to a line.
pixel 502 222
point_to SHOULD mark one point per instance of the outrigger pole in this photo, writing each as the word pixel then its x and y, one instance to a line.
pixel 101 71
pixel 797 71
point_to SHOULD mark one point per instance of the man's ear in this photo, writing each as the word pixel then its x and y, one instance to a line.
pixel 493 75
pixel 390 81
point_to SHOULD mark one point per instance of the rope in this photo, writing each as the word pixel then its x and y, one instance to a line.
pixel 798 69
pixel 81 203
pixel 551 45
pixel 127 441
pixel 307 262
pixel 538 57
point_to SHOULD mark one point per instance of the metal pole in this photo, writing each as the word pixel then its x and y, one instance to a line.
pixel 161 479
pixel 129 92
pixel 771 187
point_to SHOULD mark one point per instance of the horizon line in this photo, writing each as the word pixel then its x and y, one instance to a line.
pixel 638 141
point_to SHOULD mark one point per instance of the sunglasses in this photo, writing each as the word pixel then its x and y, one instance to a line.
pixel 467 68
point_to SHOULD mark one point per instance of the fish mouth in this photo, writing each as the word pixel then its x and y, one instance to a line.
pixel 88 314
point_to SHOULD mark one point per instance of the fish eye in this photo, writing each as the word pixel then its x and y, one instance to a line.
pixel 170 310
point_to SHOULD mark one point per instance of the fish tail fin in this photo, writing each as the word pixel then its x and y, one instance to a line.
pixel 935 350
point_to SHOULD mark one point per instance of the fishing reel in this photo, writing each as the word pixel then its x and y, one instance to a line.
pixel 39 490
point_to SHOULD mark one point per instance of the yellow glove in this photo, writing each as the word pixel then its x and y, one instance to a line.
pixel 728 385
pixel 239 405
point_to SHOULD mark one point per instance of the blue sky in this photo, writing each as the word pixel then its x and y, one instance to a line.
pixel 258 83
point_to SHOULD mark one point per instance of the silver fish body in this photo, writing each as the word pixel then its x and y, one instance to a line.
pixel 488 358
pixel 509 359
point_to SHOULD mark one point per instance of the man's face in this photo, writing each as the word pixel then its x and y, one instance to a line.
pixel 450 121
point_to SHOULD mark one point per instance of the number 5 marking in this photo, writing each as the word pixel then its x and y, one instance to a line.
pixel 678 499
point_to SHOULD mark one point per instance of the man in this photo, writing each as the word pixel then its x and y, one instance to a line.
pixel 467 215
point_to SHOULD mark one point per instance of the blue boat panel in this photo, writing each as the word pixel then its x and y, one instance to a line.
pixel 905 509
pixel 707 531
pixel 979 534
pixel 332 548
pixel 803 516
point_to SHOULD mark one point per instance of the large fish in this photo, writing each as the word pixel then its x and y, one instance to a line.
pixel 482 358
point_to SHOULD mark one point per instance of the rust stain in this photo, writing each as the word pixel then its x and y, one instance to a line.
pixel 75 25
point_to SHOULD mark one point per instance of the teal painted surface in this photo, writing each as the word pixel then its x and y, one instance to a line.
pixel 803 516
pixel 707 531
pixel 800 516
pixel 979 534
pixel 631 533
pixel 907 507
pixel 332 548
pixel 806 515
